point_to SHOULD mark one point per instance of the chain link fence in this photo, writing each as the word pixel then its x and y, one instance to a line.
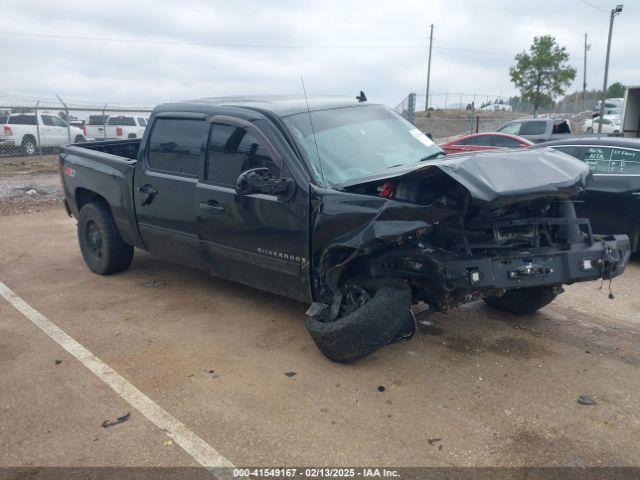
pixel 36 126
pixel 452 115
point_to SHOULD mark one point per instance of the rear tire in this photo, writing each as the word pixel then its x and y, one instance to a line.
pixel 590 130
pixel 29 146
pixel 101 245
pixel 79 139
pixel 523 301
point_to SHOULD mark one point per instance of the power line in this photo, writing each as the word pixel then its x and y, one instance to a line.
pixel 237 45
pixel 600 9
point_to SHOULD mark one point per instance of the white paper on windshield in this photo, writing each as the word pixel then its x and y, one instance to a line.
pixel 421 137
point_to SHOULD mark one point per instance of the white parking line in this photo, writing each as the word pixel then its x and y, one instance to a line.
pixel 195 446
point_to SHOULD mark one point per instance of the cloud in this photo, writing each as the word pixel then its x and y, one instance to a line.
pixel 168 49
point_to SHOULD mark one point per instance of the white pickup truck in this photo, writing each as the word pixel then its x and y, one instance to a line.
pixel 124 126
pixel 28 132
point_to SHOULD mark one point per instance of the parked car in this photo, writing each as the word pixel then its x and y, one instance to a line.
pixel 612 196
pixel 122 126
pixel 610 124
pixel 341 204
pixel 28 132
pixel 485 141
pixel 538 129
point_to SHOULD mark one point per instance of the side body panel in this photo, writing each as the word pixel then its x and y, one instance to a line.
pixel 165 201
pixel 86 172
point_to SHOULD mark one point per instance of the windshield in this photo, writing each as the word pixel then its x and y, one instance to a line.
pixel 355 142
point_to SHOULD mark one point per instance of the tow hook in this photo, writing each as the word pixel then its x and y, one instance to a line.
pixel 530 270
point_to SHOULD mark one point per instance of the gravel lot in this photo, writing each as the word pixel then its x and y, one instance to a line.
pixel 29 184
pixel 482 388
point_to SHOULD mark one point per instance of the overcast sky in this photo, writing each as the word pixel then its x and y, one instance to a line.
pixel 181 49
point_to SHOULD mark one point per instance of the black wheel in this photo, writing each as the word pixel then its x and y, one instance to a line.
pixel 79 139
pixel 102 248
pixel 523 301
pixel 589 130
pixel 29 146
pixel 369 323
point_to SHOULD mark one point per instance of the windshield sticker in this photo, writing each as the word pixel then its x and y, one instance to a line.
pixel 421 137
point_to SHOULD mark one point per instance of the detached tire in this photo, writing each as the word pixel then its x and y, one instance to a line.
pixel 523 301
pixel 101 245
pixel 375 324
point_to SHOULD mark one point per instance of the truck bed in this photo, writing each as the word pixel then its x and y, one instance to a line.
pixel 103 169
pixel 119 148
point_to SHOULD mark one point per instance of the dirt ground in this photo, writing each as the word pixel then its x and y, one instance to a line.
pixel 495 389
pixel 29 184
pixel 237 367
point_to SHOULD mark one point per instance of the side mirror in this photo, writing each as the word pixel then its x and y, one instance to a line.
pixel 261 180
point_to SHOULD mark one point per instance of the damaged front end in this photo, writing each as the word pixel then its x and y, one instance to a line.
pixel 496 226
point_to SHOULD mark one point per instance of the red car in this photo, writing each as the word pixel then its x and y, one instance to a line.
pixel 485 141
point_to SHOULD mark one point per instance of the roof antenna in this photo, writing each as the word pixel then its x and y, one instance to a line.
pixel 362 97
pixel 313 131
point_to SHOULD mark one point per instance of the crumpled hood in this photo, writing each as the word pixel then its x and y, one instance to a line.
pixel 503 175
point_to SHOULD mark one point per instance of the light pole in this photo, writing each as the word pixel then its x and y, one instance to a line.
pixel 426 102
pixel 614 12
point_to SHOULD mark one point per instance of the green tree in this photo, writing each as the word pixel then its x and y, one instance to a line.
pixel 543 73
pixel 615 90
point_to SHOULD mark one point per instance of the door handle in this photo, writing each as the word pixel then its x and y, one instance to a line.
pixel 148 193
pixel 211 206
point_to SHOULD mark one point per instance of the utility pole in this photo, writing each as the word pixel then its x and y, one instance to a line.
pixel 614 12
pixel 426 102
pixel 584 69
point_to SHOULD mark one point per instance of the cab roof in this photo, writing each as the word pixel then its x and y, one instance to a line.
pixel 279 105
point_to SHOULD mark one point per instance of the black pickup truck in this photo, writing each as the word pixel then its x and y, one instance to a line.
pixel 341 204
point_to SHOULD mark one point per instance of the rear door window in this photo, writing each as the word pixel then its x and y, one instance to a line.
pixel 233 150
pixel 22 120
pixel 561 127
pixel 533 128
pixel 625 161
pixel 53 121
pixel 613 161
pixel 176 146
pixel 598 159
